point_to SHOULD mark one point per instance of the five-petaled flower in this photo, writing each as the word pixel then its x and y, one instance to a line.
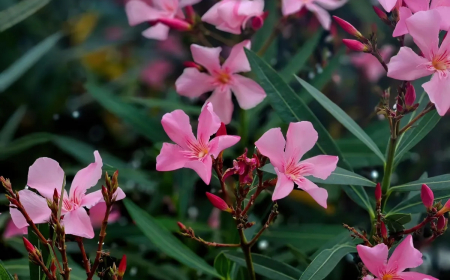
pixel 45 175
pixel 221 80
pixel 300 138
pixel 405 256
pixel 188 151
pixel 409 66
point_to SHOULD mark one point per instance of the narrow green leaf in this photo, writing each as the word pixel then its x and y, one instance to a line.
pixel 20 66
pixel 185 182
pixel 263 33
pixel 21 144
pixel 165 104
pixel 223 265
pixel 8 130
pixel 19 12
pixel 297 62
pixel 396 222
pixel 268 267
pixel 441 182
pixel 165 241
pixel 415 205
pixel 4 274
pixel 342 117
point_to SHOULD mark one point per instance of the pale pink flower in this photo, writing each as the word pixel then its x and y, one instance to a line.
pixel 11 230
pixel 405 256
pixel 156 72
pixel 188 151
pixel 318 7
pixel 409 66
pixel 370 66
pixel 285 157
pixel 221 79
pixel 45 175
pixel 388 5
pixel 97 213
pixel 232 15
pixel 414 6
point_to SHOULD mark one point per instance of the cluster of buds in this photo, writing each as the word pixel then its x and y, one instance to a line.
pixel 112 184
pixel 35 257
pixel 244 167
pixel 362 44
pixel 114 272
pixel 405 99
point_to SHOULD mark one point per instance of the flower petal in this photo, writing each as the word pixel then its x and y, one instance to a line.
pixel 290 7
pixel 331 4
pixel 222 103
pixel 203 168
pixel 424 28
pixel 223 142
pixel 439 3
pixel 283 187
pixel 11 230
pixel 401 28
pixel 87 177
pixel 407 65
pixel 271 145
pixel 248 92
pixel 237 60
pixel 388 5
pixel 78 223
pixel 415 276
pixel 322 15
pixel 170 158
pixel 177 126
pixel 45 175
pixel 139 12
pixel 417 6
pixel 374 258
pixel 322 166
pixel 320 195
pixel 36 207
pixel 193 83
pixel 300 138
pixel 158 31
pixel 444 49
pixel 91 199
pixel 405 256
pixel 437 89
pixel 208 123
pixel 207 57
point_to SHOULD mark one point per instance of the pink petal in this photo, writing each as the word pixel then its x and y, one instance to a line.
pixel 139 12
pixel 222 103
pixel 388 5
pixel 424 28
pixel 322 166
pixel 271 145
pixel 87 177
pixel 177 126
pixel 251 8
pixel 226 27
pixel 208 123
pixel 445 19
pixel 300 138
pixel 322 15
pixel 36 207
pixel 237 60
pixel 417 6
pixel 45 175
pixel 290 7
pixel 438 90
pixel 320 195
pixel 207 57
pixel 405 256
pixel 368 277
pixel 401 28
pixel 248 93
pixel 203 168
pixel 158 31
pixel 78 223
pixel 91 199
pixel 439 3
pixel 415 276
pixel 120 194
pixel 283 187
pixel 444 49
pixel 212 15
pixel 223 142
pixel 228 13
pixel 11 230
pixel 407 65
pixel 193 83
pixel 184 3
pixel 374 258
pixel 331 4
pixel 170 158
pixel 97 213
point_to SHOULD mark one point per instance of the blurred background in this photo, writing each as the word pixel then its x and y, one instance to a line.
pixel 50 49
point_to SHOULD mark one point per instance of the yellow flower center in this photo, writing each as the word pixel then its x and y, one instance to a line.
pixel 203 153
pixel 223 78
pixel 388 277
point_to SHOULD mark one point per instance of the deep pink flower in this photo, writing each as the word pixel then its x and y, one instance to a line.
pixel 407 65
pixel 414 6
pixel 370 66
pixel 188 151
pixel 221 79
pixel 285 157
pixel 318 7
pixel 405 256
pixel 232 15
pixel 45 175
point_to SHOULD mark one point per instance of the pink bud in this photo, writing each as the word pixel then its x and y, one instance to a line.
pixel 218 202
pixel 378 192
pixel 427 196
pixel 444 209
pixel 30 248
pixel 382 15
pixel 355 45
pixel 191 64
pixel 410 95
pixel 122 266
pixel 442 223
pixel 177 24
pixel 257 23
pixel 190 14
pixel 181 226
pixel 383 230
pixel 350 29
pixel 222 130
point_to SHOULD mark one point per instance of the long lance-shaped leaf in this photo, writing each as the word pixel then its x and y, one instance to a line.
pixel 415 205
pixel 441 182
pixel 19 12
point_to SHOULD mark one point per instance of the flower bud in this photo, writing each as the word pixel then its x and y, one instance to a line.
pixel 258 21
pixel 191 64
pixel 350 29
pixel 122 267
pixel 427 196
pixel 384 233
pixel 222 130
pixel 176 24
pixel 190 14
pixel 218 202
pixel 378 192
pixel 410 95
pixel 53 268
pixel 355 45
pixel 6 184
pixel 382 15
pixel 30 248
pixel 181 226
pixel 444 209
pixel 442 223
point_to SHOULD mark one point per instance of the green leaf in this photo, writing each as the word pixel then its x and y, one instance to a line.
pixel 21 144
pixel 415 205
pixel 185 182
pixel 165 104
pixel 441 182
pixel 395 222
pixel 297 62
pixel 4 274
pixel 223 265
pixel 8 130
pixel 20 66
pixel 342 117
pixel 268 267
pixel 19 12
pixel 165 241
pixel 142 123
pixel 339 176
pixel 325 262
pixel 263 33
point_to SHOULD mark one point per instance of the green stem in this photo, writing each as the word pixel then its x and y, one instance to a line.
pixel 246 248
pixel 389 167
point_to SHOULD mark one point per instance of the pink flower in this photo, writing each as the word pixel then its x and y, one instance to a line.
pixel 370 66
pixel 156 72
pixel 97 213
pixel 292 6
pixel 166 10
pixel 409 66
pixel 232 15
pixel 11 230
pixel 285 157
pixel 188 151
pixel 388 5
pixel 405 256
pixel 45 175
pixel 414 6
pixel 221 80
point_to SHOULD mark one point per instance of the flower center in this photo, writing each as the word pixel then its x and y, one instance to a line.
pixel 440 64
pixel 69 205
pixel 223 78
pixel 197 150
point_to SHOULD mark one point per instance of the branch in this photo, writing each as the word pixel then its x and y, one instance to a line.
pixel 357 234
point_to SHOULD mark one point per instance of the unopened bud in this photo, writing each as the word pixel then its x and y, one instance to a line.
pixel 107 180
pixel 115 181
pixel 218 202
pixel 6 184
pixel 427 196
pixel 176 24
pixel 382 15
pixel 442 223
pixel 384 232
pixel 190 14
pixel 258 21
pixel 191 64
pixel 378 192
pixel 222 130
pixel 410 95
pixel 181 226
pixel 53 268
pixel 122 267
pixel 444 209
pixel 30 248
pixel 105 194
pixel 355 45
pixel 350 29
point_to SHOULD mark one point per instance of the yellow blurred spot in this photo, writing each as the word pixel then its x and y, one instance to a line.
pixel 305 198
pixel 82 26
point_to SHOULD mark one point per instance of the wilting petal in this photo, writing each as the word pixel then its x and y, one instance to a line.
pixel 415 276
pixel 374 258
pixel 36 207
pixel 283 187
pixel 78 223
pixel 223 142
pixel 11 230
pixel 424 28
pixel 438 90
pixel 222 103
pixel 271 145
pixel 388 5
pixel 207 57
pixel 237 60
pixel 170 158
pixel 45 175
pixel 401 28
pixel 320 195
pixel 331 4
pixel 87 177
pixel 139 12
pixel 248 93
pixel 300 138
pixel 158 31
pixel 322 165
pixel 407 65
pixel 290 7
pixel 177 126
pixel 193 83
pixel 322 15
pixel 208 123
pixel 405 256
pixel 203 168
pixel 417 6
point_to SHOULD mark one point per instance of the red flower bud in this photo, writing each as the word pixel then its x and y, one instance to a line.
pixel 218 202
pixel 355 45
pixel 383 230
pixel 222 130
pixel 350 29
pixel 444 209
pixel 190 14
pixel 176 24
pixel 258 21
pixel 181 226
pixel 442 223
pixel 427 196
pixel 382 15
pixel 378 192
pixel 122 266
pixel 191 64
pixel 410 95
pixel 53 268
pixel 30 248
